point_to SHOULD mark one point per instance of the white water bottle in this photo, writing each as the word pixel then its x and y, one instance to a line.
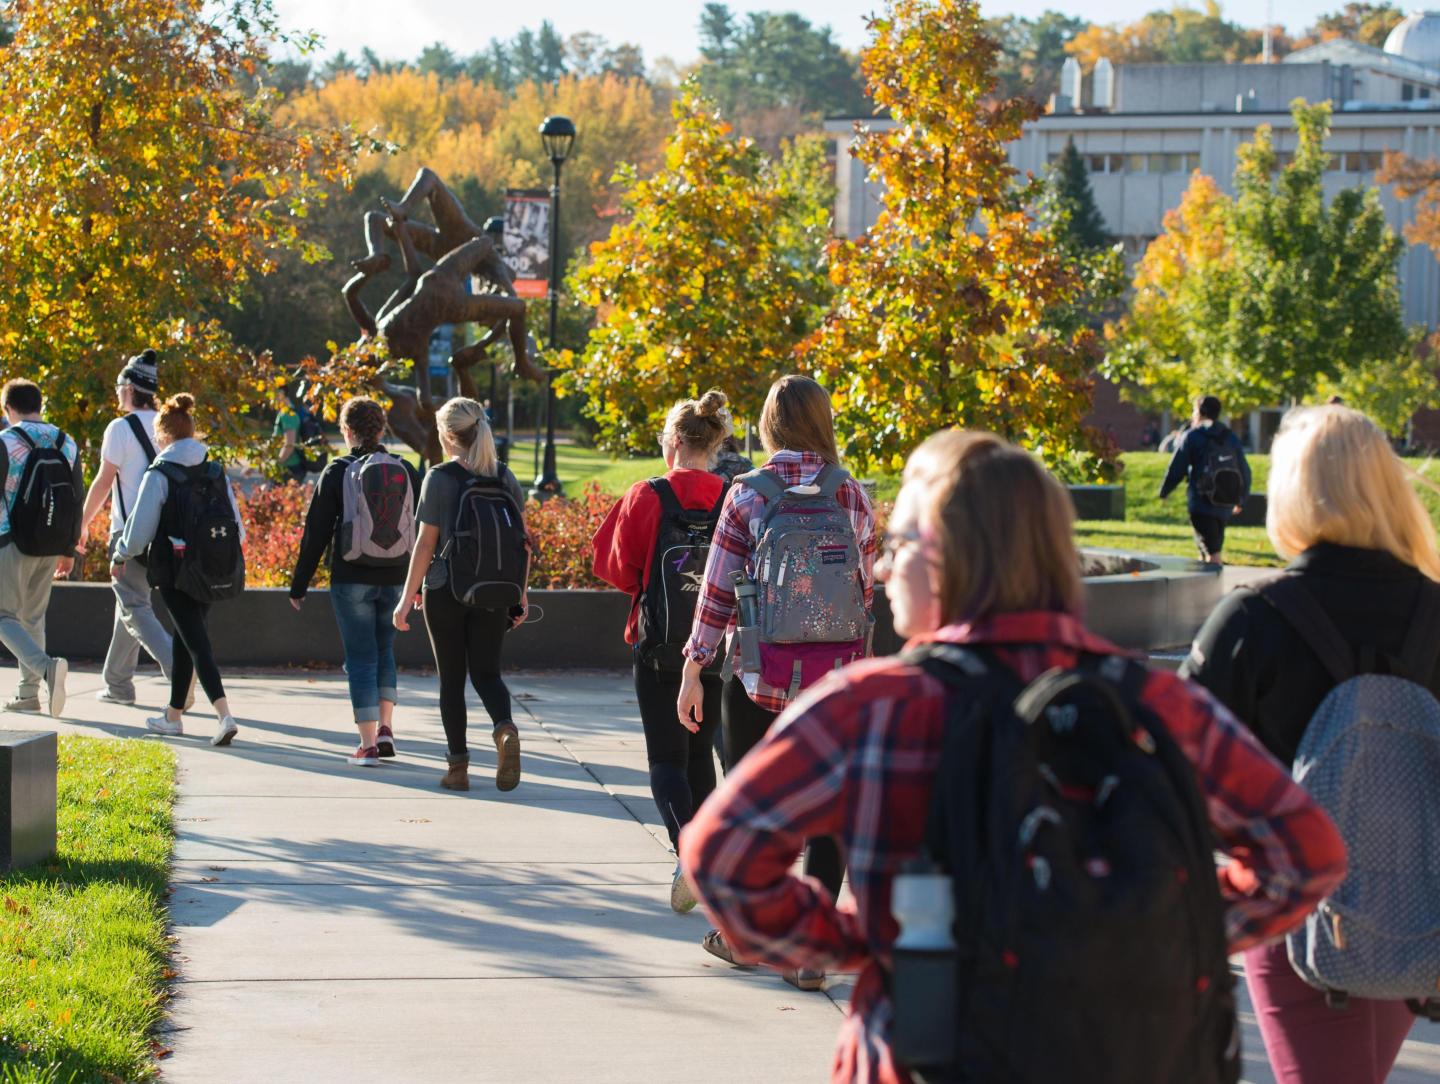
pixel 925 987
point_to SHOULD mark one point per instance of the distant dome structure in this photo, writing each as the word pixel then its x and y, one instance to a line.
pixel 1417 38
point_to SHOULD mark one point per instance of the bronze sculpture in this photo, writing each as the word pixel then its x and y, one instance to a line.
pixel 429 298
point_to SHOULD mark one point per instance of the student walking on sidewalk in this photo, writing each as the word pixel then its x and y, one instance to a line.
pixel 39 530
pixel 126 452
pixel 1359 597
pixel 797 430
pixel 171 493
pixel 472 557
pixel 1212 464
pixel 681 507
pixel 363 512
pixel 981 573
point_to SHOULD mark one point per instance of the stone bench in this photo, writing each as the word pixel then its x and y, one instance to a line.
pixel 27 797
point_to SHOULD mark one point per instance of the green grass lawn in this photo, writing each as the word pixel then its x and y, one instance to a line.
pixel 82 939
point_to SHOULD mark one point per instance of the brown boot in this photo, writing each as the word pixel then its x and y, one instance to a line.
pixel 507 757
pixel 457 774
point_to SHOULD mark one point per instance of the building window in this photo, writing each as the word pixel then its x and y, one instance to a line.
pixel 1363 161
pixel 1135 163
pixel 1407 92
pixel 1424 93
pixel 1192 161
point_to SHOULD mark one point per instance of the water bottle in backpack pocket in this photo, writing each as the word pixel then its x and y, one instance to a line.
pixel 377 519
pixel 45 517
pixel 1370 757
pixel 486 558
pixel 1089 936
pixel 810 596
pixel 677 577
pixel 197 548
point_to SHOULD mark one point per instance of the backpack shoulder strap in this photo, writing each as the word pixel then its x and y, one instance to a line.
pixel 1422 642
pixel 720 501
pixel 669 503
pixel 143 438
pixel 830 479
pixel 762 482
pixel 1303 612
pixel 26 437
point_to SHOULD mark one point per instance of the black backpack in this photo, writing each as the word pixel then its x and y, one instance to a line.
pixel 486 557
pixel 1220 481
pixel 677 576
pixel 45 516
pixel 1089 925
pixel 197 546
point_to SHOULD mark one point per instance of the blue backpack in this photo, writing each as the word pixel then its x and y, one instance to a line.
pixel 1370 757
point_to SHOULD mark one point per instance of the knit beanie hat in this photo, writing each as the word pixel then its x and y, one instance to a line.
pixel 139 373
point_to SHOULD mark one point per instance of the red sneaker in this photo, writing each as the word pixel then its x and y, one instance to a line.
pixel 366 756
pixel 385 742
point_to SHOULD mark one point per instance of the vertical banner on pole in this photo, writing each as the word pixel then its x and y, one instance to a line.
pixel 527 239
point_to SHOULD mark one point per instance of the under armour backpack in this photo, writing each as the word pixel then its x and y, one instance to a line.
pixel 1370 757
pixel 45 515
pixel 1220 481
pixel 486 558
pixel 677 575
pixel 810 596
pixel 197 548
pixel 1089 928
pixel 377 516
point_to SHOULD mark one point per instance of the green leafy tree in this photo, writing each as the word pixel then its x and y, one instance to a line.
pixel 1278 297
pixel 1070 203
pixel 144 183
pixel 711 281
pixel 1032 51
pixel 1367 23
pixel 943 315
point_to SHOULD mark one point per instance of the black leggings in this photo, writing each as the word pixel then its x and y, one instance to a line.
pixel 466 641
pixel 193 654
pixel 682 764
pixel 745 724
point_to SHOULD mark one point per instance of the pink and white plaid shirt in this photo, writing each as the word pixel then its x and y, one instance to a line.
pixel 733 547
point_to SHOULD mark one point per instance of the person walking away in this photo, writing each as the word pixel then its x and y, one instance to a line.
pixel 1044 828
pixel 363 511
pixel 1335 666
pixel 472 556
pixel 730 461
pixel 653 545
pixel 39 532
pixel 188 526
pixel 807 599
pixel 126 451
pixel 1211 461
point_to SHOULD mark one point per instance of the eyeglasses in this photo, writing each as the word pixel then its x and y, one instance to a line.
pixel 895 541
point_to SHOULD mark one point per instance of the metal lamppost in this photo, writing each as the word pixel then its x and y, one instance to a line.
pixel 558 135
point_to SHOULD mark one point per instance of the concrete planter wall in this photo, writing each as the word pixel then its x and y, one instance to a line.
pixel 1098 501
pixel 1159 602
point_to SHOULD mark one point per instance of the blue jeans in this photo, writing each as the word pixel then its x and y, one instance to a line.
pixel 363 613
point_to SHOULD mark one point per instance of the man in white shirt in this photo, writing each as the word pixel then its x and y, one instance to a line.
pixel 126 451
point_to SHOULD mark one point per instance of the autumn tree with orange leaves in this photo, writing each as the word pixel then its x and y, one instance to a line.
pixel 955 308
pixel 144 184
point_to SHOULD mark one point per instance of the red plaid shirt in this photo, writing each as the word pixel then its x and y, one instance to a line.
pixel 733 547
pixel 855 757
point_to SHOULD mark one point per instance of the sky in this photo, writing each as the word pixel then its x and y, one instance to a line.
pixel 399 29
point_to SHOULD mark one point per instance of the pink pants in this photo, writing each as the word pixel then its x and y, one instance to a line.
pixel 1311 1043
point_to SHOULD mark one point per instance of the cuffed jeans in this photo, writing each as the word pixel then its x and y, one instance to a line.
pixel 25 584
pixel 136 626
pixel 364 613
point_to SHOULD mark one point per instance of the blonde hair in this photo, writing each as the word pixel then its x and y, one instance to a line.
pixel 1001 524
pixel 175 420
pixel 463 427
pixel 1334 478
pixel 797 417
pixel 699 424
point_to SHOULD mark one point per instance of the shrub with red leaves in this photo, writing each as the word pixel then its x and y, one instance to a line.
pixel 560 531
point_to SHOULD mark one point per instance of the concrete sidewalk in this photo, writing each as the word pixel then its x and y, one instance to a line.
pixel 355 925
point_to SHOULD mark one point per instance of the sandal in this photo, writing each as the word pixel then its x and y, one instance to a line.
pixel 714 943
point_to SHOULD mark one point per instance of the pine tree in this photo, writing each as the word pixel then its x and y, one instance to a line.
pixel 1069 204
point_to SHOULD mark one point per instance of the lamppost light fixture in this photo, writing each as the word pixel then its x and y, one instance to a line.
pixel 558 135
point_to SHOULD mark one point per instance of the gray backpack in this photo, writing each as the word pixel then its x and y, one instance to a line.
pixel 1370 757
pixel 810 597
pixel 377 517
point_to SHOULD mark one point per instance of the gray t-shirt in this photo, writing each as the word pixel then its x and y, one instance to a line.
pixel 439 495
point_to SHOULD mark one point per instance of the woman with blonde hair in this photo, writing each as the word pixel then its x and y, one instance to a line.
pixel 979 556
pixel 1363 569
pixel 466 638
pixel 797 429
pixel 683 505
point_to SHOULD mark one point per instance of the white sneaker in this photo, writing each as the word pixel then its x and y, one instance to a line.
pixel 56 671
pixel 105 696
pixel 162 725
pixel 225 732
pixel 682 899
